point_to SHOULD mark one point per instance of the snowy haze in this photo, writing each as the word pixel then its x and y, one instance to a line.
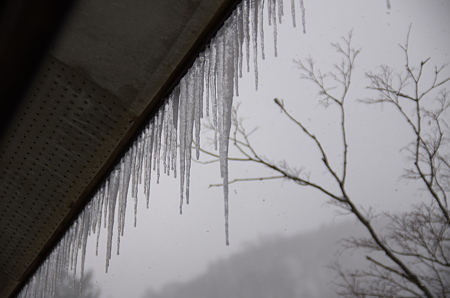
pixel 167 247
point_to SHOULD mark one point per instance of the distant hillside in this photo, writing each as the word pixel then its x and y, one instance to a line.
pixel 276 267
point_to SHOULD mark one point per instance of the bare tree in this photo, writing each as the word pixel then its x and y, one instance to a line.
pixel 415 246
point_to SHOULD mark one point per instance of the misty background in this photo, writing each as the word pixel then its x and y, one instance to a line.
pixel 282 236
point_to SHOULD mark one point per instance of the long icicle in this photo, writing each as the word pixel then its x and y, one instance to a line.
pixel 213 78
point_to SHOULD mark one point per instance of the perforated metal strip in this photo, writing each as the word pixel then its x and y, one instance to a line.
pixel 65 134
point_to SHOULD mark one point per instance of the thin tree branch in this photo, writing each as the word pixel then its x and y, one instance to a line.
pixel 249 179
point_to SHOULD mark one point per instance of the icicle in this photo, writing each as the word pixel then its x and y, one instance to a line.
pixel 182 140
pixel 53 277
pixel 165 141
pixel 237 53
pixel 206 79
pixel 112 196
pixel 135 176
pixel 198 100
pixel 99 223
pixel 255 12
pixel 246 22
pixel 94 214
pixel 121 206
pixel 240 33
pixel 74 239
pixel 105 203
pixel 140 156
pixel 213 74
pixel 86 223
pixel 220 90
pixel 54 270
pixel 260 13
pixel 125 173
pixel 135 167
pixel 272 16
pixel 45 278
pixel 302 7
pixel 157 142
pixel 280 11
pixel 168 126
pixel 275 38
pixel 225 74
pixel 190 115
pixel 294 21
pixel 126 184
pixel 149 156
pixel 201 83
pixel 214 78
pixel 154 141
pixel 175 98
pixel 146 160
pixel 98 215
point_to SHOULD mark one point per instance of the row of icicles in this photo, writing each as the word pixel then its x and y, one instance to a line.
pixel 206 90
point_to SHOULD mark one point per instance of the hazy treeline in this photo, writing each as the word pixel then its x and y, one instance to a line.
pixel 276 267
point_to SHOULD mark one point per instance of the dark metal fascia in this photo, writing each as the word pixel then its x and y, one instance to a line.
pixel 200 44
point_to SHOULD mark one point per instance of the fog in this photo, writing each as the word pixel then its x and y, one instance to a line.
pixel 274 225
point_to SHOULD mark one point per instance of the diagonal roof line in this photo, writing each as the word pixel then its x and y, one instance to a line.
pixel 139 122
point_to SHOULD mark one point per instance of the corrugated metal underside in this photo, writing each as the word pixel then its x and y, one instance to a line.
pixel 105 76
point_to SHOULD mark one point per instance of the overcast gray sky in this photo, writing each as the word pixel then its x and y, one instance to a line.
pixel 167 247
